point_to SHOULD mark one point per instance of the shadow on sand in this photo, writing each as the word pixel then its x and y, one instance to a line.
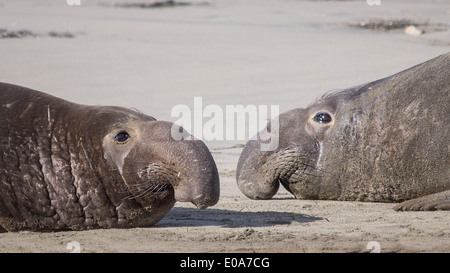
pixel 185 217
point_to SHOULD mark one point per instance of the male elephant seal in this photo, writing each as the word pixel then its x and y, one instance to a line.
pixel 70 166
pixel 385 141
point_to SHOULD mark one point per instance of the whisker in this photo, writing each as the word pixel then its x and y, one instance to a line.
pixel 152 190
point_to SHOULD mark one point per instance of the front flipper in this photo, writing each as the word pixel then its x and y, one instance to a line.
pixel 437 201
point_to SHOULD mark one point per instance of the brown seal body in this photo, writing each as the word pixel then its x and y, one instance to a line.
pixel 70 166
pixel 385 141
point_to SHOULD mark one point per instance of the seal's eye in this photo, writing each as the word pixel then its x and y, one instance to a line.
pixel 322 117
pixel 122 136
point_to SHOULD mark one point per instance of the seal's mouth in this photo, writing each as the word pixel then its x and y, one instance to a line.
pixel 149 189
pixel 174 180
pixel 152 181
pixel 287 166
pixel 291 167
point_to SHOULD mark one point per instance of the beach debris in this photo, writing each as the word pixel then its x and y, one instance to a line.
pixel 383 25
pixel 413 30
pixel 5 34
pixel 158 4
pixel 402 25
pixel 64 34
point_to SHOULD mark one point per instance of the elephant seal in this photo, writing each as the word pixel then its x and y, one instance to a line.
pixel 384 141
pixel 70 166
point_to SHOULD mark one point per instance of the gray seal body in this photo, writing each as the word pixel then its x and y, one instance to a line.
pixel 385 141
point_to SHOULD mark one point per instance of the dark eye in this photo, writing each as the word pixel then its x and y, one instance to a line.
pixel 121 136
pixel 322 117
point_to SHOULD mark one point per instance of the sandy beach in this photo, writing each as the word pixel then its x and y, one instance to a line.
pixel 260 52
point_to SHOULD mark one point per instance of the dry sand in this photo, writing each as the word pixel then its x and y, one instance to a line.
pixel 282 52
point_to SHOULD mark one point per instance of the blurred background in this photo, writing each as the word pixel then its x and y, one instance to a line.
pixel 154 55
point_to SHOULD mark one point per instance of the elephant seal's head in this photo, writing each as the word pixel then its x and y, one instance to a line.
pixel 158 170
pixel 293 163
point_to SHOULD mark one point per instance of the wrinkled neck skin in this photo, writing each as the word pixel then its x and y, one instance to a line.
pixel 327 173
pixel 47 158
